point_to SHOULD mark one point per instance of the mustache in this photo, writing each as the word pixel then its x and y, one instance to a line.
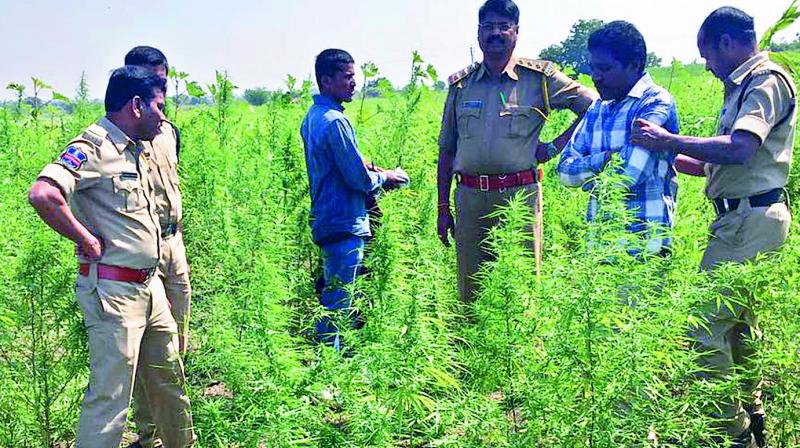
pixel 494 40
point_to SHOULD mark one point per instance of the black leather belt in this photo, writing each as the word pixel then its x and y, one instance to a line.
pixel 723 206
pixel 169 230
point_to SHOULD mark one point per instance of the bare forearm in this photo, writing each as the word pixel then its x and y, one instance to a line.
pixel 547 151
pixel 690 166
pixel 444 176
pixel 51 206
pixel 562 140
pixel 721 150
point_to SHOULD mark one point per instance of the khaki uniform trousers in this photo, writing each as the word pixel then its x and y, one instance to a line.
pixel 130 328
pixel 472 228
pixel 738 236
pixel 173 269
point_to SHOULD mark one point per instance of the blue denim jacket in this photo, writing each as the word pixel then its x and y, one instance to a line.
pixel 338 179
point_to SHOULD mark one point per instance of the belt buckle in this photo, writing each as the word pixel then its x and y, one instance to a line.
pixel 721 206
pixel 148 274
pixel 483 182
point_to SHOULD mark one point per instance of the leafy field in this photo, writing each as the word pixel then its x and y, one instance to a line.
pixel 593 354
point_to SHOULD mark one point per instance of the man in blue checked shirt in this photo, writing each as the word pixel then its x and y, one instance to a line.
pixel 617 58
pixel 339 183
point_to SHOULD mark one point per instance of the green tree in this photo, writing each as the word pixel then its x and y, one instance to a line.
pixel 257 96
pixel 573 52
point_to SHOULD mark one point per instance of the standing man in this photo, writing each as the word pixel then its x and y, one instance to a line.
pixel 99 195
pixel 339 183
pixel 173 268
pixel 747 166
pixel 490 128
pixel 617 57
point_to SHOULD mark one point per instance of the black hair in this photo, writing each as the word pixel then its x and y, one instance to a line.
pixel 623 41
pixel 329 62
pixel 130 81
pixel 144 55
pixel 731 21
pixel 505 8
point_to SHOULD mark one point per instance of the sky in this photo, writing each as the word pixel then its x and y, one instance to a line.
pixel 260 42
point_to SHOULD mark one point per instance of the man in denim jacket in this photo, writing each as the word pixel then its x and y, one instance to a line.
pixel 339 184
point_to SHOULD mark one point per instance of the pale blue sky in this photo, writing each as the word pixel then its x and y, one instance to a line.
pixel 259 43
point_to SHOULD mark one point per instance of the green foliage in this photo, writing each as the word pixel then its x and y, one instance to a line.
pixel 257 96
pixel 788 18
pixel 787 54
pixel 190 88
pixel 592 354
pixel 573 52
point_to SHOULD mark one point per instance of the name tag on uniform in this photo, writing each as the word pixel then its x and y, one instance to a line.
pixel 472 104
pixel 129 176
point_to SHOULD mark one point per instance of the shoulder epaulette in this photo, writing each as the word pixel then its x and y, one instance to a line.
pixel 776 70
pixel 461 74
pixel 95 134
pixel 546 67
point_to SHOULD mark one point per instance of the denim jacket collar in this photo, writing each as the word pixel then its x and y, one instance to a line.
pixel 327 101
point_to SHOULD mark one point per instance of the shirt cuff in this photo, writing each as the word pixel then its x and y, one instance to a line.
pixel 61 176
pixel 378 179
pixel 754 125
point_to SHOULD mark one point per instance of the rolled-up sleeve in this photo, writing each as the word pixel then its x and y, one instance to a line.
pixel 765 103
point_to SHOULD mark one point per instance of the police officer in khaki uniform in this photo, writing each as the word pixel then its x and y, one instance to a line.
pixel 173 268
pixel 747 166
pixel 490 130
pixel 98 194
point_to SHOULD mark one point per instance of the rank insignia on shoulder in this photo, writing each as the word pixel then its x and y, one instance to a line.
pixel 72 158
pixel 546 67
pixel 460 75
pixel 92 135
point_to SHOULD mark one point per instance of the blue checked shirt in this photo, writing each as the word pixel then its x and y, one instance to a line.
pixel 606 129
pixel 338 179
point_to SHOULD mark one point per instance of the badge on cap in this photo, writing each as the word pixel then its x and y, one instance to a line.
pixel 72 158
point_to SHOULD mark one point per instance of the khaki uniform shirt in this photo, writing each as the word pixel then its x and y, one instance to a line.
pixel 164 175
pixel 766 104
pixel 104 176
pixel 493 125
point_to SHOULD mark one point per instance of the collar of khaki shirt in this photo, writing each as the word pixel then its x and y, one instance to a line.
pixel 118 138
pixel 509 70
pixel 740 73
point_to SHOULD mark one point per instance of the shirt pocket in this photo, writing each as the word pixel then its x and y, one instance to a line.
pixel 129 193
pixel 523 120
pixel 468 121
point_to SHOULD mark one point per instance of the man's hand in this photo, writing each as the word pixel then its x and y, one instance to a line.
pixel 394 177
pixel 650 135
pixel 545 152
pixel 90 248
pixel 445 224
